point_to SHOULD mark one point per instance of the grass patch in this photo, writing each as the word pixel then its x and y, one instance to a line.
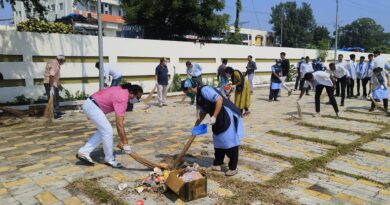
pixel 378 152
pixel 248 192
pixel 321 127
pixel 354 176
pixel 92 189
pixel 365 113
pixel 317 140
pixel 292 160
pixel 356 120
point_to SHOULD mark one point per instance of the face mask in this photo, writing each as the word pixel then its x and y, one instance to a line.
pixel 134 101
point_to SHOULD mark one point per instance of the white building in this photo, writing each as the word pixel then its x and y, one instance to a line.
pixel 253 37
pixel 111 13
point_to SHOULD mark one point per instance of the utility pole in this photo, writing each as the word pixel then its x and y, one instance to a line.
pixel 337 31
pixel 100 43
pixel 281 28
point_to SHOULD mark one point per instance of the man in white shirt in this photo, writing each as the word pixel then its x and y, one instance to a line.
pixel 340 72
pixel 380 61
pixel 367 74
pixel 320 80
pixel 109 70
pixel 306 67
pixel 352 76
pixel 360 70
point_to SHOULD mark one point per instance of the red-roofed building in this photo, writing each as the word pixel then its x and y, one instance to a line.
pixel 112 12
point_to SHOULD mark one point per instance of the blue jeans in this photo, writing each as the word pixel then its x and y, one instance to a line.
pixel 116 82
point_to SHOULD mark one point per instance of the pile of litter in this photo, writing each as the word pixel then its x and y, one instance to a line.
pixel 191 173
pixel 155 182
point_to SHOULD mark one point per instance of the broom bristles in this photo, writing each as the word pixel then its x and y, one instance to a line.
pixel 12 111
pixel 379 106
pixel 299 111
pixel 183 152
pixel 49 110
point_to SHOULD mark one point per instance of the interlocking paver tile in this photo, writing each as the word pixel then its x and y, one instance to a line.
pixel 344 124
pixel 372 166
pixel 381 145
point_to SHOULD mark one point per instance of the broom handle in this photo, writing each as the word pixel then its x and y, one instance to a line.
pixel 184 151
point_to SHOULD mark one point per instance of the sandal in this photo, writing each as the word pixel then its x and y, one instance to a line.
pixel 230 173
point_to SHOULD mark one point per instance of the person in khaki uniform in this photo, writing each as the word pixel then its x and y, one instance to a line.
pixel 51 82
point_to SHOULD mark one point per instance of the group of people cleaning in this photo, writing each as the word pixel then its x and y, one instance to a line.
pixel 225 117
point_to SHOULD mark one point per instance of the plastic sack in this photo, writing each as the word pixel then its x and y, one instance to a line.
pixel 199 130
pixel 275 86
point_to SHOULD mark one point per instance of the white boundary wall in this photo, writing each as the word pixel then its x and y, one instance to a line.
pixel 36 44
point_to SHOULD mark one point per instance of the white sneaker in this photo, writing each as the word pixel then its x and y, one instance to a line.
pixel 114 164
pixel 85 158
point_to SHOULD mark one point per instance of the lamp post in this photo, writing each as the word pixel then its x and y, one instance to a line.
pixel 100 43
pixel 337 31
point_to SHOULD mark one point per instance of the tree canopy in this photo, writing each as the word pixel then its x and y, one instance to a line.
pixel 171 19
pixel 299 26
pixel 30 7
pixel 365 33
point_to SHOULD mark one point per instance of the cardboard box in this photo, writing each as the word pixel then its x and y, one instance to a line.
pixel 187 191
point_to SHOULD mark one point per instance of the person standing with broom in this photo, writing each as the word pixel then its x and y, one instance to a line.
pixel 113 99
pixel 51 82
pixel 226 121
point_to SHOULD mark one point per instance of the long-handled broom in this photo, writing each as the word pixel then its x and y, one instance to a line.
pixel 379 106
pixel 49 111
pixel 299 111
pixel 143 161
pixel 183 152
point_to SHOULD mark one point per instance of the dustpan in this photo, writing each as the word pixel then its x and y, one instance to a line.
pixel 199 130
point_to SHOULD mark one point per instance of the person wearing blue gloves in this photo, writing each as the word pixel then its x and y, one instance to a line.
pixel 226 121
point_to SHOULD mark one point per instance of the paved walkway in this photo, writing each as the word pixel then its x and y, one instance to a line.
pixel 37 163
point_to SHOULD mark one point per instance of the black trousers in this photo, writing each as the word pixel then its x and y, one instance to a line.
pixel 232 153
pixel 198 79
pixel 342 84
pixel 297 82
pixel 385 104
pixel 56 97
pixel 350 86
pixel 358 83
pixel 273 94
pixel 332 100
pixel 364 85
pixel 301 84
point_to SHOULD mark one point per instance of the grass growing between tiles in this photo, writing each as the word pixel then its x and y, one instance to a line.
pixel 249 192
pixel 92 189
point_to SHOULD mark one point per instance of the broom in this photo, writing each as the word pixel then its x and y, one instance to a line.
pixel 12 111
pixel 150 96
pixel 183 152
pixel 49 111
pixel 299 111
pixel 142 160
pixel 379 106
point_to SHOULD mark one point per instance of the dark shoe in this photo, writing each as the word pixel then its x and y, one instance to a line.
pixel 60 113
pixel 372 109
pixel 342 104
pixel 57 116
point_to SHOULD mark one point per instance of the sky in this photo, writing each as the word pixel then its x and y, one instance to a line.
pixel 257 12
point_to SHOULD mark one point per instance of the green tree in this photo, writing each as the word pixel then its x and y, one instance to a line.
pixel 171 19
pixel 365 33
pixel 30 6
pixel 298 23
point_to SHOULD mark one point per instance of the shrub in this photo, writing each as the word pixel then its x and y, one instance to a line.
pixel 33 25
pixel 176 84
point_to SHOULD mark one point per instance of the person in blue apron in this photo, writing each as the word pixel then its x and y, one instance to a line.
pixel 380 82
pixel 226 121
pixel 276 82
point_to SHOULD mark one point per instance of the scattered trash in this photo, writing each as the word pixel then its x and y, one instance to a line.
pixel 122 186
pixel 139 202
pixel 191 173
pixel 155 182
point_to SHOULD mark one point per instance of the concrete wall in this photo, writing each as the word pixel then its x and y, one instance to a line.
pixel 23 57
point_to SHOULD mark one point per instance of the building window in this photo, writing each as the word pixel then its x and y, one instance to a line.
pixel 61 6
pixel 53 7
pixel 120 11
